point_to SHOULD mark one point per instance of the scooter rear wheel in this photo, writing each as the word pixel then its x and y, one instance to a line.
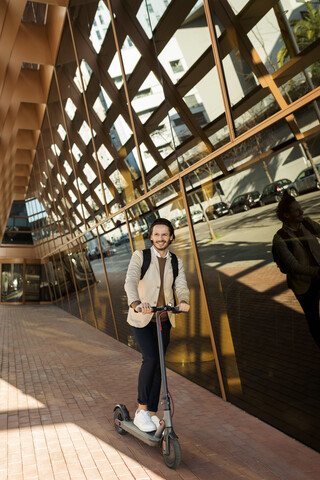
pixel 118 415
pixel 173 459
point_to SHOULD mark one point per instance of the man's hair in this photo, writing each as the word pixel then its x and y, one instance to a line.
pixel 284 206
pixel 162 221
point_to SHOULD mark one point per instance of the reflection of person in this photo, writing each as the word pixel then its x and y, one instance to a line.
pixel 298 251
pixel 155 289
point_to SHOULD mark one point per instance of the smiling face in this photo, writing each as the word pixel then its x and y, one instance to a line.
pixel 161 238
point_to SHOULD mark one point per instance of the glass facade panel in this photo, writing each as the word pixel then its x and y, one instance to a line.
pixel 59 269
pixel 32 283
pixel 116 266
pixel 45 289
pixel 212 151
pixel 78 266
pixel 84 276
pixel 103 275
pixel 12 283
pixel 257 323
pixel 52 280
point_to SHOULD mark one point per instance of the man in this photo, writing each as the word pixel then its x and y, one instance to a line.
pixel 298 251
pixel 154 289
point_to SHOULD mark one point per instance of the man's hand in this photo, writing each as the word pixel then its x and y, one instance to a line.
pixel 184 307
pixel 143 308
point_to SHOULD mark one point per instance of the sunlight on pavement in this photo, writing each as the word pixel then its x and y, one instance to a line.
pixel 11 398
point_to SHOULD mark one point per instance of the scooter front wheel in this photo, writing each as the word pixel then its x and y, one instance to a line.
pixel 173 458
pixel 118 415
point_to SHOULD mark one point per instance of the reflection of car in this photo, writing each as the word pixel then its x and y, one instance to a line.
pixel 197 216
pixel 217 210
pixel 305 181
pixel 180 221
pixel 121 240
pixel 109 252
pixel 245 202
pixel 273 191
pixel 94 254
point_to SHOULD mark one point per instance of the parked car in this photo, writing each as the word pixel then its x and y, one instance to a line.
pixel 305 181
pixel 217 210
pixel 109 252
pixel 95 253
pixel 245 202
pixel 121 240
pixel 197 216
pixel 273 191
pixel 180 221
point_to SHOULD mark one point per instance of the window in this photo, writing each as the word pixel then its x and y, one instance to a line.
pixel 143 93
pixel 176 66
pixel 191 101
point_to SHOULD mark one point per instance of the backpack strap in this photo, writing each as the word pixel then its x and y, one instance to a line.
pixel 308 225
pixel 175 267
pixel 287 238
pixel 289 241
pixel 146 261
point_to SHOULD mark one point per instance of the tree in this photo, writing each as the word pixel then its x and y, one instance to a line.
pixel 306 31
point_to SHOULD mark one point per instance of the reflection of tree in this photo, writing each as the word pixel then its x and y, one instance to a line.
pixel 306 31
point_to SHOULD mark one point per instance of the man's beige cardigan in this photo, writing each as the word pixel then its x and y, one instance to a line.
pixel 147 289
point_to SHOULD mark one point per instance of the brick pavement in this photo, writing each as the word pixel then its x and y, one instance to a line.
pixel 60 379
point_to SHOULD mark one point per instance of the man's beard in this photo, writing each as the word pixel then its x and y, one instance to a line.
pixel 161 248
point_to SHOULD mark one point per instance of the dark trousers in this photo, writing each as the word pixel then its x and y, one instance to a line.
pixel 309 302
pixel 149 383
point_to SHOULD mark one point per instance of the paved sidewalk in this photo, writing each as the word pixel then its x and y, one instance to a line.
pixel 60 379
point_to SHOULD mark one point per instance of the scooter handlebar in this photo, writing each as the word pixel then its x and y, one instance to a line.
pixel 164 308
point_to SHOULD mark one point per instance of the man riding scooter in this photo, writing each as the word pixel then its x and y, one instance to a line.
pixel 153 277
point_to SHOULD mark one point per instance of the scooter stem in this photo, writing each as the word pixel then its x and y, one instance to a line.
pixel 163 370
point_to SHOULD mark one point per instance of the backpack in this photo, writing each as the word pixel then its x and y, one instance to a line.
pixel 289 242
pixel 147 260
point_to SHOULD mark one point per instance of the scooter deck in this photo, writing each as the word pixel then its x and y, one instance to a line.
pixel 146 437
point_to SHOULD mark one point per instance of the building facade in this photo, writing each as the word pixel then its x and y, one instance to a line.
pixel 184 110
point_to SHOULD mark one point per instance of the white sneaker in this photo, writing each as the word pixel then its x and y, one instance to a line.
pixel 143 421
pixel 155 420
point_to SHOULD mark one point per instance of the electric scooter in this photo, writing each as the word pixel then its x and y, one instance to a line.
pixel 164 435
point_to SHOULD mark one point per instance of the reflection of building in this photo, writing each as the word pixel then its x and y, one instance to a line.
pixel 150 92
pixel 89 147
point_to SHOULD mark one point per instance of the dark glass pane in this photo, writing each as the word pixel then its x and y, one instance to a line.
pixel 68 274
pixel 12 283
pixel 117 254
pixel 258 325
pixel 18 209
pixel 44 285
pixel 52 280
pixel 84 274
pixel 73 296
pixel 100 295
pixel 59 268
pixel 32 283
